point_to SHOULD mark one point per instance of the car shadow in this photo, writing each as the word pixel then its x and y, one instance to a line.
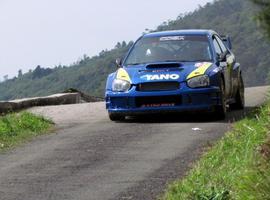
pixel 186 117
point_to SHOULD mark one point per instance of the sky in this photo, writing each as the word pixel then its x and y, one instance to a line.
pixel 53 32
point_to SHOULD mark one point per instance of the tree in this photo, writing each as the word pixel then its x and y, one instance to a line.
pixel 124 44
pixel 20 73
pixel 118 45
pixel 5 77
pixel 264 15
pixel 37 73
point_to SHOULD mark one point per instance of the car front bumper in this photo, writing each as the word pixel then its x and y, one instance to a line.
pixel 185 99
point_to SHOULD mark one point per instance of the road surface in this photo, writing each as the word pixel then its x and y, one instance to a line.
pixel 89 157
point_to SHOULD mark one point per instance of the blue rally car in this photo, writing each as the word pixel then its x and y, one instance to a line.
pixel 175 71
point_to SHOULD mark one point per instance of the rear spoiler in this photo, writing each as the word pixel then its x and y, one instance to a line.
pixel 227 41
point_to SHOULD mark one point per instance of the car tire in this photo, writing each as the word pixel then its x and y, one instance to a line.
pixel 221 110
pixel 116 117
pixel 240 96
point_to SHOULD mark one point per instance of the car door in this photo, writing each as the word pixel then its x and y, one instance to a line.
pixel 226 64
pixel 230 59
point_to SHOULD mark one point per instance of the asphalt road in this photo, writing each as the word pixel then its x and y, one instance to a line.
pixel 88 157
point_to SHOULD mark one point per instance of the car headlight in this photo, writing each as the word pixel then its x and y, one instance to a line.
pixel 199 81
pixel 119 85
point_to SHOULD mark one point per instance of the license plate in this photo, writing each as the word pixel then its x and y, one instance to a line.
pixel 158 105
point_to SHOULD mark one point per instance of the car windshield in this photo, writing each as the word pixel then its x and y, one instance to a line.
pixel 181 48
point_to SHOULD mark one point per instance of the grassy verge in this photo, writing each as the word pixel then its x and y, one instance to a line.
pixel 18 127
pixel 237 167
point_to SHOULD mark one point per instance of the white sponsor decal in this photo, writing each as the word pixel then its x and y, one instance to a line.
pixel 198 64
pixel 216 70
pixel 148 52
pixel 172 38
pixel 160 77
pixel 201 64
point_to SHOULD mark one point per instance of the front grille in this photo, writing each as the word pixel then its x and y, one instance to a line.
pixel 158 86
pixel 158 101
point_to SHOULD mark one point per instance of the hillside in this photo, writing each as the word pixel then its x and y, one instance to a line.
pixel 233 17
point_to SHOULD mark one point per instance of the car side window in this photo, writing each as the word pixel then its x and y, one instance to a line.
pixel 221 44
pixel 217 47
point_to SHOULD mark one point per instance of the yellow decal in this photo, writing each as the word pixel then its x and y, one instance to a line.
pixel 202 67
pixel 123 75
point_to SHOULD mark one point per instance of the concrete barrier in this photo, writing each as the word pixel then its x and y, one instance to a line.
pixel 56 99
pixel 85 97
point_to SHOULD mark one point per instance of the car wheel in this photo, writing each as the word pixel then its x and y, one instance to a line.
pixel 116 117
pixel 221 110
pixel 240 96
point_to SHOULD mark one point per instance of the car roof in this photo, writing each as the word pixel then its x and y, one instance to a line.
pixel 181 32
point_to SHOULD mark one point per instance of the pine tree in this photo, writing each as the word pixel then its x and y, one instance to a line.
pixel 20 73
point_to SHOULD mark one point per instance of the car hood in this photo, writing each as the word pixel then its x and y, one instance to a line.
pixel 159 72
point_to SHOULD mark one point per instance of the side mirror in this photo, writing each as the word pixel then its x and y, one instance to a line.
pixel 221 57
pixel 227 41
pixel 118 62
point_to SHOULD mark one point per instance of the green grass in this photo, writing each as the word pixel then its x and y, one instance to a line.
pixel 16 128
pixel 237 167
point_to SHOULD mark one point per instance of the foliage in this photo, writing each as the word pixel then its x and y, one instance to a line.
pixel 237 167
pixel 233 17
pixel 87 74
pixel 264 14
pixel 17 127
